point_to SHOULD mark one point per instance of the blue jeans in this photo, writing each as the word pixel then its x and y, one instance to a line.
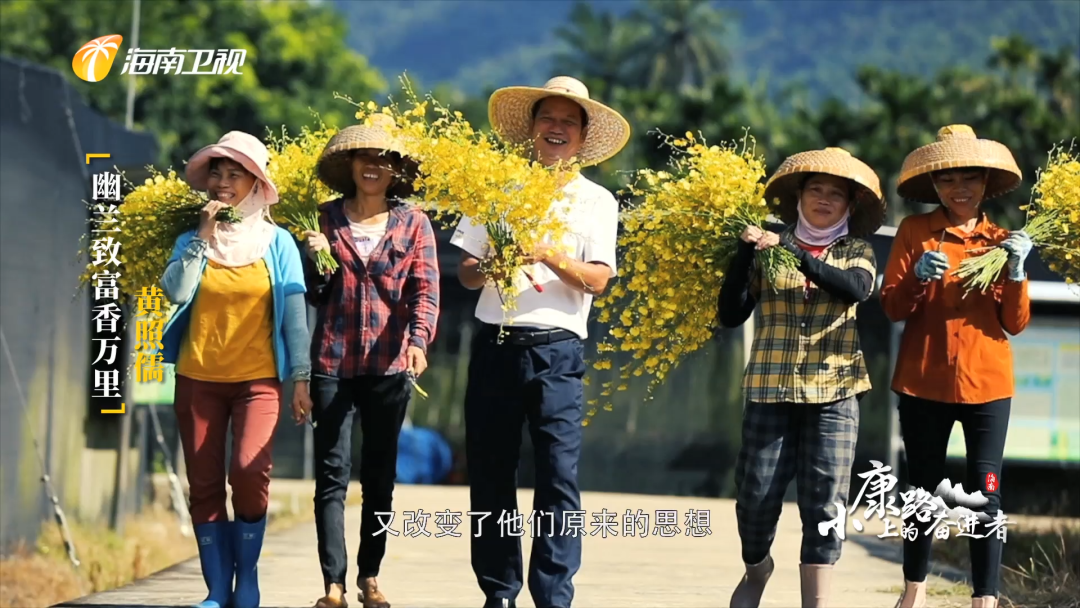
pixel 380 402
pixel 511 384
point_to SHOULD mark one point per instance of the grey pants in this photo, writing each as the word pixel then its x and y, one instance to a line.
pixel 815 444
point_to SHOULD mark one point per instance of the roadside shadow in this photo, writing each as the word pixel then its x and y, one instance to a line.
pixel 893 552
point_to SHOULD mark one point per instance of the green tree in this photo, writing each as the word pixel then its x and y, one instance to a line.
pixel 682 48
pixel 597 48
pixel 296 60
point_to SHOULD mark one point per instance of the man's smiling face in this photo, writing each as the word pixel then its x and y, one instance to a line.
pixel 559 128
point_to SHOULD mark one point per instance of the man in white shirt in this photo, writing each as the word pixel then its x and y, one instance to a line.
pixel 534 374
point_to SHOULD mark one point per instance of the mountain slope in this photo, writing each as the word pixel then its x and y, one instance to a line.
pixel 477 44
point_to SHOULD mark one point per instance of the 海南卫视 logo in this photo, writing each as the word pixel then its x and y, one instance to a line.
pixel 95 58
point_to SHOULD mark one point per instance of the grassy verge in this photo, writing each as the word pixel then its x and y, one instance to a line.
pixel 43 576
pixel 1040 568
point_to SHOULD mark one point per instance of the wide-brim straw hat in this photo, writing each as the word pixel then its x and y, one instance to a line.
pixel 957 147
pixel 510 114
pixel 238 146
pixel 867 210
pixel 335 163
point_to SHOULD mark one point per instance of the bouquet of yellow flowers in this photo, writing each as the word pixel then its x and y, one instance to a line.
pixel 676 244
pixel 293 162
pixel 1053 225
pixel 148 222
pixel 466 172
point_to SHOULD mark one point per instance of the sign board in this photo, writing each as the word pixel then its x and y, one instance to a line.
pixel 1045 421
pixel 156 393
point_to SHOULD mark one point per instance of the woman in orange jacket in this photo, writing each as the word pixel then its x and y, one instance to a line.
pixel 954 363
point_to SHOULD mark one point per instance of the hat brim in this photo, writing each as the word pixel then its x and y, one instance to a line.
pixel 867 212
pixel 510 115
pixel 915 182
pixel 335 167
pixel 197 172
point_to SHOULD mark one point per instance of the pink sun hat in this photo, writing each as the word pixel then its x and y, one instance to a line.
pixel 238 146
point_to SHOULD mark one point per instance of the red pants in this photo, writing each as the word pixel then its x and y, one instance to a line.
pixel 203 411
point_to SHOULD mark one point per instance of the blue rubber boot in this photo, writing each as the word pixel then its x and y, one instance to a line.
pixel 248 540
pixel 216 557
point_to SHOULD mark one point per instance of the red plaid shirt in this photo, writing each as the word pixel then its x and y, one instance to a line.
pixel 366 317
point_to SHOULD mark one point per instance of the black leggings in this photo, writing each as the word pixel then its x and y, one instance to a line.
pixel 926 426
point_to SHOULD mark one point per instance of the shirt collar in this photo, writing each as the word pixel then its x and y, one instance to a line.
pixel 939 221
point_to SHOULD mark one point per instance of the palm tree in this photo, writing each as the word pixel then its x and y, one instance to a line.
pixel 597 47
pixel 684 48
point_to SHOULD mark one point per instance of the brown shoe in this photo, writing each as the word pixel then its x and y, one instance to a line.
pixel 329 602
pixel 987 601
pixel 370 595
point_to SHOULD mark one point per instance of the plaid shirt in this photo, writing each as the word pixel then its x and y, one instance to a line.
pixel 367 317
pixel 806 343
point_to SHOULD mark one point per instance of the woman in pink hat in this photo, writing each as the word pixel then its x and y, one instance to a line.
pixel 239 333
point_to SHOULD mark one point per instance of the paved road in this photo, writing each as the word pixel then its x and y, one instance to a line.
pixel 677 572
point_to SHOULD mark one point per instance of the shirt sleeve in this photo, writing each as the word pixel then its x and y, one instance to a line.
pixel 600 245
pixel 852 283
pixel 471 238
pixel 292 267
pixel 1014 309
pixel 297 337
pixel 901 291
pixel 182 272
pixel 424 288
pixel 737 299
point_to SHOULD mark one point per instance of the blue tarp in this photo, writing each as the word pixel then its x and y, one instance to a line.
pixel 424 456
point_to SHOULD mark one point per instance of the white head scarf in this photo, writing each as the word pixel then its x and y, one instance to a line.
pixel 244 243
pixel 820 237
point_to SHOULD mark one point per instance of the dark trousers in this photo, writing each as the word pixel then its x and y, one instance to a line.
pixel 926 426
pixel 381 402
pixel 510 385
pixel 815 445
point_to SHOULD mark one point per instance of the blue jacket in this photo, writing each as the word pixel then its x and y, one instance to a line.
pixel 183 274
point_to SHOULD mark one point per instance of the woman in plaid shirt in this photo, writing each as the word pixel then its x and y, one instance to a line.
pixel 806 371
pixel 376 316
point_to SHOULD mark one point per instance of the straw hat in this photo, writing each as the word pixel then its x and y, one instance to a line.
pixel 238 146
pixel 335 163
pixel 957 148
pixel 510 114
pixel 868 210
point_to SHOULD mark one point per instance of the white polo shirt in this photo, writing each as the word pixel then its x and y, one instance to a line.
pixel 591 216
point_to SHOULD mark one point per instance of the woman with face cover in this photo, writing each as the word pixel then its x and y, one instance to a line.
pixel 376 316
pixel 239 333
pixel 806 372
pixel 954 363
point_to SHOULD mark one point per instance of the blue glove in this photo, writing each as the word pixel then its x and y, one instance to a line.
pixel 1019 246
pixel 931 266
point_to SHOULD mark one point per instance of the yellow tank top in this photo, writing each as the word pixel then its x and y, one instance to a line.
pixel 230 335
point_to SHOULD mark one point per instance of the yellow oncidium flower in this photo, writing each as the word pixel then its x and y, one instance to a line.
pixel 293 167
pixel 676 243
pixel 1053 224
pixel 1057 192
pixel 496 183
